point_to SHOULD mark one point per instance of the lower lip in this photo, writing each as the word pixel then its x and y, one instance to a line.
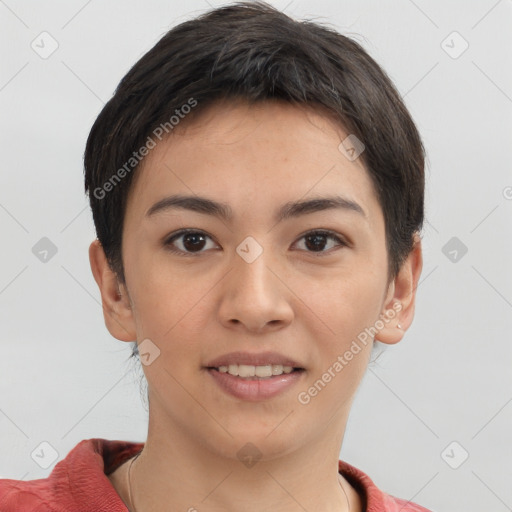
pixel 254 390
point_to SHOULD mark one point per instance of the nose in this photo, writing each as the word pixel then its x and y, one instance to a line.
pixel 255 295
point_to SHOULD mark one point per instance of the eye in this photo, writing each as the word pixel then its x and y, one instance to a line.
pixel 317 240
pixel 193 241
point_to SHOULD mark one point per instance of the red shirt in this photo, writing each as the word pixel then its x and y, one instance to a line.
pixel 78 483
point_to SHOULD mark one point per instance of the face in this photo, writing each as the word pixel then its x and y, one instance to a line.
pixel 254 281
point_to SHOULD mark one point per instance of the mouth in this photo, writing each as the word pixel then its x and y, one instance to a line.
pixel 254 387
pixel 255 376
pixel 251 372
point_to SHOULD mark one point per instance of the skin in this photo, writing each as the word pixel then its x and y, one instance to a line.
pixel 255 158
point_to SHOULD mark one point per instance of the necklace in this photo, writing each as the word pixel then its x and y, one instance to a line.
pixel 132 506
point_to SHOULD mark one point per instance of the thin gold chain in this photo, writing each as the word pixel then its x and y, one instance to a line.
pixel 132 506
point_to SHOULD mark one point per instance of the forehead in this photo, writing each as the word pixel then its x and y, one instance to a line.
pixel 253 154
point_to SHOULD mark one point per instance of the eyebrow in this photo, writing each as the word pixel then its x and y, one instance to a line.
pixel 223 211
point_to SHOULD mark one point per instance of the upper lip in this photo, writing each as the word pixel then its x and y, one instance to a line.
pixel 254 359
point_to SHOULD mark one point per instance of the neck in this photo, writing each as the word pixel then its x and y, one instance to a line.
pixel 185 475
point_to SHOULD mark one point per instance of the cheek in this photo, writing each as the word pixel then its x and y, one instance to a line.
pixel 343 305
pixel 170 302
pixel 341 313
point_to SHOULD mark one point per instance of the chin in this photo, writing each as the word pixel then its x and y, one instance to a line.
pixel 261 443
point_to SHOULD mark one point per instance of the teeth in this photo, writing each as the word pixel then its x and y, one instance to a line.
pixel 245 370
pixel 278 369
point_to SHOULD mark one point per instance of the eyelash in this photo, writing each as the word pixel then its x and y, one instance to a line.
pixel 322 232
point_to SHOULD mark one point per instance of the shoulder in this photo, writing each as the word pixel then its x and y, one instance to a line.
pixel 78 482
pixel 375 500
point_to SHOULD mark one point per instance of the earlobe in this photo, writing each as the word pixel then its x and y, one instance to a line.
pixel 400 302
pixel 117 310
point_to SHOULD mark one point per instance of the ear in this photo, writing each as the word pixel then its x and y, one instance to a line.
pixel 400 298
pixel 117 308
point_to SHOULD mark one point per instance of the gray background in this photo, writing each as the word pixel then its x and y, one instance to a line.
pixel 63 378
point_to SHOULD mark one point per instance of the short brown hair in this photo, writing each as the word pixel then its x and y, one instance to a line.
pixel 252 51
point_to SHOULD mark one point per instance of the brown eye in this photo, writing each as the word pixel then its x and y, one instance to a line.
pixel 316 241
pixel 190 242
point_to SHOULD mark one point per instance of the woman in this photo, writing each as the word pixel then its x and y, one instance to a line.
pixel 257 187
